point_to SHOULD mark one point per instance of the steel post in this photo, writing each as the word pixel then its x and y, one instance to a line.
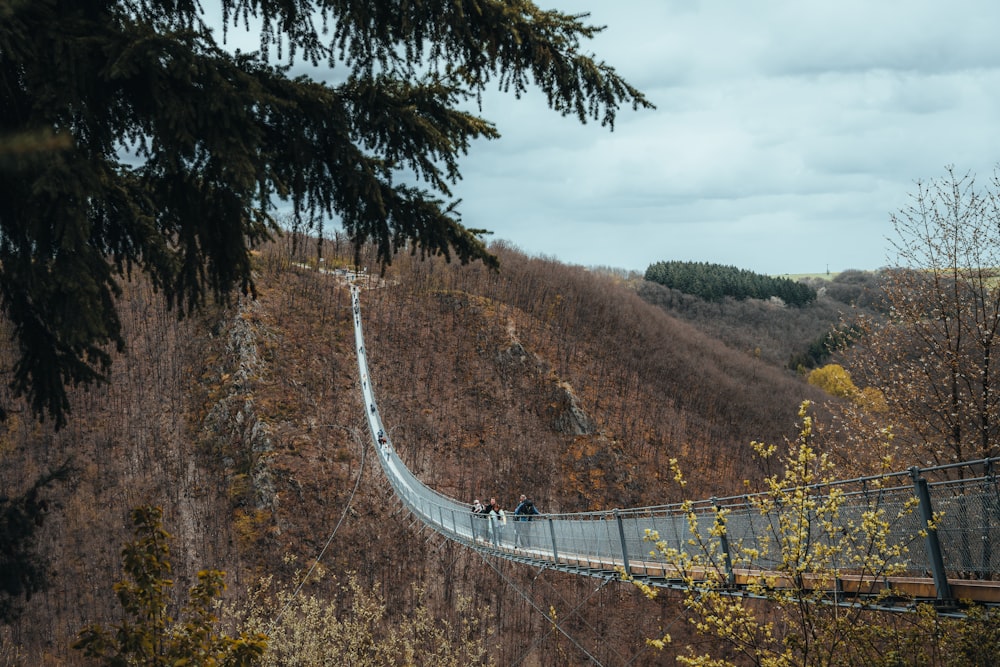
pixel 931 542
pixel 724 543
pixel 621 534
pixel 552 532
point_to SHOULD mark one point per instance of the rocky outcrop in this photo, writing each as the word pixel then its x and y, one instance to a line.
pixel 232 424
pixel 569 416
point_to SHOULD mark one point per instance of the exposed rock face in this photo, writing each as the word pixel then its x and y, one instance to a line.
pixel 243 440
pixel 515 354
pixel 570 417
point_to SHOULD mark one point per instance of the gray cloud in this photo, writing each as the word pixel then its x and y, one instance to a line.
pixel 785 134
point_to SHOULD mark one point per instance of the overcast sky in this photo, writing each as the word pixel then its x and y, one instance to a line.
pixel 785 133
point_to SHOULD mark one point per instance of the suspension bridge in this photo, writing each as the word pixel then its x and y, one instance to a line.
pixel 946 518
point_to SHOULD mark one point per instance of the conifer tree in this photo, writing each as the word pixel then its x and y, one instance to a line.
pixel 131 138
pixel 23 569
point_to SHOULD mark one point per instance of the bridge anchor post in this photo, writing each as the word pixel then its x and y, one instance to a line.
pixel 621 534
pixel 720 521
pixel 552 534
pixel 931 542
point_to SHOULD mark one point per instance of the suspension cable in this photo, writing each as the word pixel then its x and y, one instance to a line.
pixel 343 515
pixel 555 625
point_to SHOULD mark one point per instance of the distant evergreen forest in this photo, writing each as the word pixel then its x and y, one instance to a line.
pixel 714 282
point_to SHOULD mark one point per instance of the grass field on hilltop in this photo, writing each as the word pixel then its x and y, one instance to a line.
pixel 799 276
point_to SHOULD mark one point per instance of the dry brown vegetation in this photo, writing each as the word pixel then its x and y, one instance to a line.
pixel 244 424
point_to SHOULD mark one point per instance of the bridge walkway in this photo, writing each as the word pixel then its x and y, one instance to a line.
pixel 956 562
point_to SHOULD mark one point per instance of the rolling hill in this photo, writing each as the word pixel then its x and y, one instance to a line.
pixel 244 424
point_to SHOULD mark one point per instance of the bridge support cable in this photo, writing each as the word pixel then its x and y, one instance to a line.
pixel 574 611
pixel 554 623
pixel 329 540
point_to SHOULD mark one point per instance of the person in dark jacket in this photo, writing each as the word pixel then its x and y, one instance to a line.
pixel 524 512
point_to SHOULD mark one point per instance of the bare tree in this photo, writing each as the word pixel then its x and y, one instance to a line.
pixel 933 357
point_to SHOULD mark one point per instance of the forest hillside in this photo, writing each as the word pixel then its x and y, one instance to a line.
pixel 244 423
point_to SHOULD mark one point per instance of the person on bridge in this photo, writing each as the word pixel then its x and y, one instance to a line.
pixel 497 521
pixel 524 511
pixel 479 514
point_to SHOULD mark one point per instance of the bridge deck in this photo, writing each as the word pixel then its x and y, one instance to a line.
pixel 848 587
